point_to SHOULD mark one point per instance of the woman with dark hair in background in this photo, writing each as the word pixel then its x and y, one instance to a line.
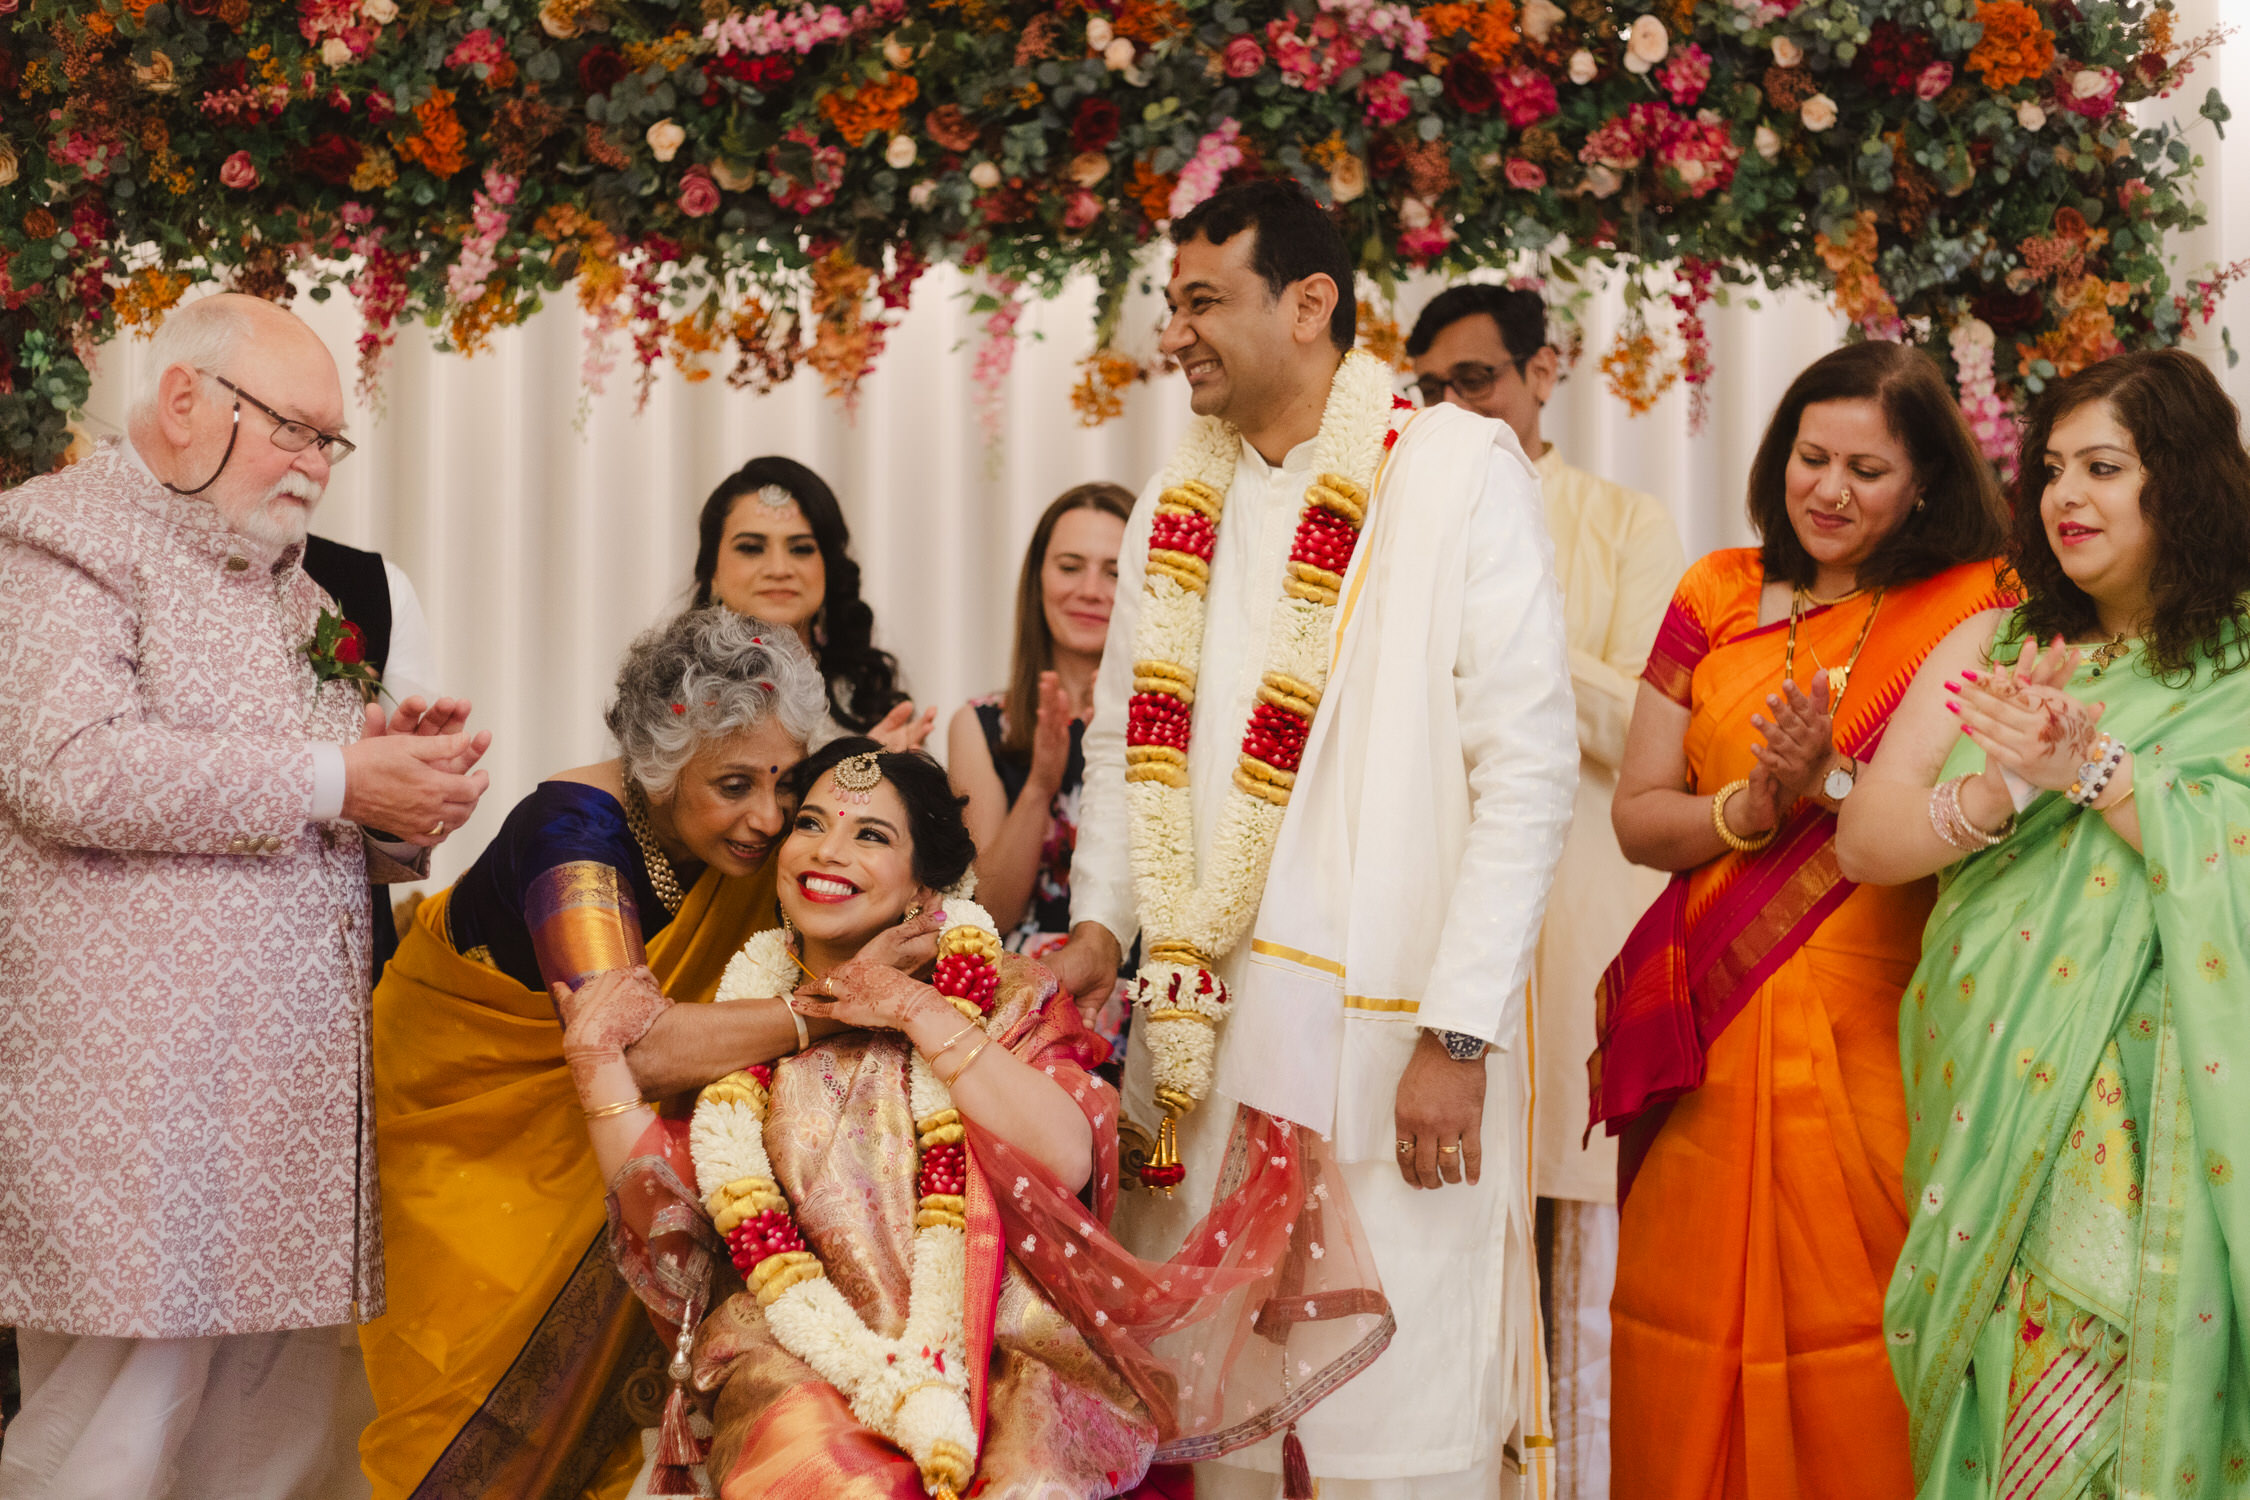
pixel 1015 755
pixel 771 543
pixel 2067 1318
pixel 1748 1031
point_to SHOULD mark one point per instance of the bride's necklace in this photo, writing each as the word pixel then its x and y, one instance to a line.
pixel 661 875
pixel 1838 677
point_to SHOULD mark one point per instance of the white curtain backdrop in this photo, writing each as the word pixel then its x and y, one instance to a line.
pixel 540 545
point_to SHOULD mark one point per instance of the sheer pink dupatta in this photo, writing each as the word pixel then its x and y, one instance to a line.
pixel 1270 1303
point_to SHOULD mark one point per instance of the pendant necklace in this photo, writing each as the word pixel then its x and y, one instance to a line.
pixel 1838 677
pixel 2108 653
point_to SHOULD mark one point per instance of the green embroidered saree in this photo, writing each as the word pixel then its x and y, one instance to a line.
pixel 2066 1318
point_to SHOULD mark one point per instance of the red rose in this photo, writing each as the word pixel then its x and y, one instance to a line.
pixel 1093 127
pixel 1527 176
pixel 699 195
pixel 1468 83
pixel 1386 156
pixel 1243 57
pixel 351 646
pixel 2009 312
pixel 238 171
pixel 1080 209
pixel 332 158
pixel 601 69
pixel 2150 68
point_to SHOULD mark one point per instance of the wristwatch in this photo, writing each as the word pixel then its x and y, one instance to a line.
pixel 1838 783
pixel 1459 1045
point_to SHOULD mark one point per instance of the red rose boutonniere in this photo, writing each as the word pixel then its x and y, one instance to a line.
pixel 338 652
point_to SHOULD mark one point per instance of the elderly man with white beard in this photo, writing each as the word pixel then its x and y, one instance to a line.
pixel 194 798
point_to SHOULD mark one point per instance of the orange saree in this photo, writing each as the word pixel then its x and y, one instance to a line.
pixel 1749 1058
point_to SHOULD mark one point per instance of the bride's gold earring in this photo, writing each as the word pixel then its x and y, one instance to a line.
pixel 911 913
pixel 788 928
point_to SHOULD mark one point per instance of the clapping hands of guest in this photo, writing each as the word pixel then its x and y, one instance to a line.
pixel 1050 740
pixel 2026 720
pixel 412 775
pixel 899 731
pixel 1800 744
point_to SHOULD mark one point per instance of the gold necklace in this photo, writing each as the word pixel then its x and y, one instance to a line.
pixel 1819 603
pixel 661 875
pixel 1838 677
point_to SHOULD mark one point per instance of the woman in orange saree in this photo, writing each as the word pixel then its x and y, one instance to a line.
pixel 1748 1049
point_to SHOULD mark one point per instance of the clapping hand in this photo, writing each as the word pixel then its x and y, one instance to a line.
pixel 1800 741
pixel 899 731
pixel 1050 739
pixel 2026 721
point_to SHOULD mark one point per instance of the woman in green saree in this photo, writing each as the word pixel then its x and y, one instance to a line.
pixel 2066 1318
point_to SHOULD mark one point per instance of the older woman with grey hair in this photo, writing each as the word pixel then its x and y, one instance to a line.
pixel 503 1364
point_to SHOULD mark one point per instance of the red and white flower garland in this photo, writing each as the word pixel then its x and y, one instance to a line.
pixel 914 1389
pixel 1190 924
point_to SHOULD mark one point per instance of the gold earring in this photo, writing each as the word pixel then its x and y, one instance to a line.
pixel 788 928
pixel 912 912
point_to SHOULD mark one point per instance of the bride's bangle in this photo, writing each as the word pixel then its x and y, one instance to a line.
pixel 947 1045
pixel 804 1037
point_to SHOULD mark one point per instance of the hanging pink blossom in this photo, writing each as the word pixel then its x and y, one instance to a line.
pixel 996 356
pixel 797 30
pixel 1989 419
pixel 465 279
pixel 1215 156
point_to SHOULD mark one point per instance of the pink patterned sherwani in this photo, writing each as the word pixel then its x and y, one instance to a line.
pixel 184 1131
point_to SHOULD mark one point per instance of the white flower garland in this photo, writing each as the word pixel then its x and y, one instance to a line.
pixel 914 1389
pixel 1189 923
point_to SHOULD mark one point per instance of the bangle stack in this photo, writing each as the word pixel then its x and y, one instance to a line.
pixel 615 1109
pixel 1728 836
pixel 2094 773
pixel 1953 825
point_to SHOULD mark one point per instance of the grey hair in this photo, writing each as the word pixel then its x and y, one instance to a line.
pixel 202 335
pixel 704 676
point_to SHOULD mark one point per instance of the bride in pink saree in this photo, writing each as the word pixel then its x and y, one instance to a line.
pixel 1085 1366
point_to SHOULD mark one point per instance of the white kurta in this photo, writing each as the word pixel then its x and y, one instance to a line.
pixel 1618 558
pixel 1431 1406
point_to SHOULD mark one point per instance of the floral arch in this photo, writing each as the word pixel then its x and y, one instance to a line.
pixel 747 190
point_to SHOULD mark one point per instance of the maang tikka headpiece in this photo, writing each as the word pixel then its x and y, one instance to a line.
pixel 857 777
pixel 774 497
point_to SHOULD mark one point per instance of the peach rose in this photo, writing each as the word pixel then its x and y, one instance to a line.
pixel 1819 112
pixel 699 195
pixel 665 138
pixel 238 172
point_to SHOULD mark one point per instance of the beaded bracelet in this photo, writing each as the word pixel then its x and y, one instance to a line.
pixel 1728 836
pixel 1952 824
pixel 2095 772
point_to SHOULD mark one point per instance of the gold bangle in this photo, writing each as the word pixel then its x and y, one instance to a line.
pixel 947 1045
pixel 974 1053
pixel 2120 802
pixel 615 1109
pixel 804 1037
pixel 1728 836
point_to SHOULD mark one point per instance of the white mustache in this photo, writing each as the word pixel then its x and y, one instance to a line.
pixel 298 486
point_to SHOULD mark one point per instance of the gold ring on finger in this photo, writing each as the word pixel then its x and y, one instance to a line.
pixel 1447 1150
pixel 437 830
pixel 1406 1145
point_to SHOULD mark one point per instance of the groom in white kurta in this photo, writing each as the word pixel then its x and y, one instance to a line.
pixel 1402 911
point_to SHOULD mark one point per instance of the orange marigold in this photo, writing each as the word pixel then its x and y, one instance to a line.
pixel 1490 26
pixel 872 108
pixel 2087 333
pixel 439 143
pixel 1859 291
pixel 2016 44
pixel 1098 395
pixel 148 295
pixel 1379 335
pixel 1634 373
pixel 1152 190
pixel 1149 21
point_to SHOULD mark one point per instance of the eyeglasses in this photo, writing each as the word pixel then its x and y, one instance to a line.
pixel 290 435
pixel 1471 378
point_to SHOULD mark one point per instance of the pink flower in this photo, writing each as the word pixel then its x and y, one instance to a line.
pixel 2131 191
pixel 1386 99
pixel 1243 57
pixel 2092 91
pixel 1080 209
pixel 1425 244
pixel 699 195
pixel 479 46
pixel 1685 73
pixel 1935 80
pixel 238 172
pixel 1527 175
pixel 1215 156
pixel 1527 95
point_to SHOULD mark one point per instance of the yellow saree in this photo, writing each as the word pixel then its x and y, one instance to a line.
pixel 512 1360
